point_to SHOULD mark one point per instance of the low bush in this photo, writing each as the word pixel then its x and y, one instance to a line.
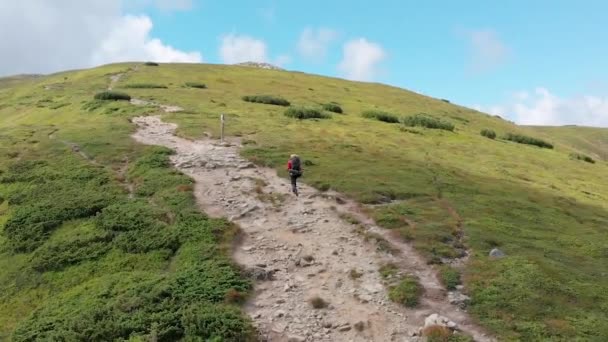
pixel 151 64
pixel 406 292
pixel 333 107
pixel 380 116
pixel 488 133
pixel 585 158
pixel 112 95
pixel 437 333
pixel 267 99
pixel 145 86
pixel 318 303
pixel 196 85
pixel 216 323
pixel 56 256
pixel 306 113
pixel 127 216
pixel 422 120
pixel 523 139
pixel 450 277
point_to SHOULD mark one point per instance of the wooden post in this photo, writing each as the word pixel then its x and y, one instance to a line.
pixel 222 129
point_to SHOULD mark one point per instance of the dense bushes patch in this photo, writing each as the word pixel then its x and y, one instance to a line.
pixel 123 306
pixel 196 85
pixel 145 86
pixel 523 139
pixel 450 277
pixel 488 133
pixel 407 292
pixel 56 256
pixel 151 64
pixel 112 95
pixel 267 99
pixel 46 195
pixel 333 107
pixel 422 120
pixel 381 116
pixel 585 158
pixel 305 113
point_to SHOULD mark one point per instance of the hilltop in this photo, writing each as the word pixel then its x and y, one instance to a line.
pixel 102 238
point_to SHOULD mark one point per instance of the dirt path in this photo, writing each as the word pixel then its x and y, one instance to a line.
pixel 300 248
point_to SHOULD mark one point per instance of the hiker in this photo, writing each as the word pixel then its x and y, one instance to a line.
pixel 294 167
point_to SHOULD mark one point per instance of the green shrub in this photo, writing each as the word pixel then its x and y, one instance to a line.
pixel 523 139
pixel 267 99
pixel 151 64
pixel 585 158
pixel 450 277
pixel 112 95
pixel 488 133
pixel 406 292
pixel 305 113
pixel 136 215
pixel 380 116
pixel 56 256
pixel 196 85
pixel 145 86
pixel 44 207
pixel 422 120
pixel 216 323
pixel 143 241
pixel 333 107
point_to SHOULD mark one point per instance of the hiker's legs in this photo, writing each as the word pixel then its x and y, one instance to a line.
pixel 294 186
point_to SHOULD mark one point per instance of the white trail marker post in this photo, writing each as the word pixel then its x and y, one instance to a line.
pixel 222 129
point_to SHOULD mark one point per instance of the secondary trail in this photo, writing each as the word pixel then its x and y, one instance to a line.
pixel 300 248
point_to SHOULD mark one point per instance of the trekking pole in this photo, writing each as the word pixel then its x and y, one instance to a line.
pixel 222 129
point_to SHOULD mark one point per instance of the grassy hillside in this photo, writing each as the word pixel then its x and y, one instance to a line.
pixel 443 190
pixel 588 140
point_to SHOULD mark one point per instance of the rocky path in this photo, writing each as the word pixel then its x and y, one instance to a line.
pixel 315 246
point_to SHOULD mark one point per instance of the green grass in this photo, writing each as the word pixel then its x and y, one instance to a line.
pixel 198 85
pixel 406 292
pixel 305 113
pixel 144 86
pixel 547 212
pixel 267 99
pixel 488 133
pixel 423 120
pixel 585 158
pixel 112 95
pixel 333 107
pixel 523 139
pixel 380 116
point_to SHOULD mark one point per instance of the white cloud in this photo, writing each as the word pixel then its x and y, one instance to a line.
pixel 137 45
pixel 488 51
pixel 360 59
pixel 241 48
pixel 48 36
pixel 313 44
pixel 541 107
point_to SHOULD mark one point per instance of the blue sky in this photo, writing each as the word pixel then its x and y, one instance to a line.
pixel 535 62
pixel 477 53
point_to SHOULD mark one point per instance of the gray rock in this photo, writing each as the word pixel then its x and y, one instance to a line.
pixel 296 338
pixel 497 253
pixel 259 273
pixel 459 299
pixel 345 328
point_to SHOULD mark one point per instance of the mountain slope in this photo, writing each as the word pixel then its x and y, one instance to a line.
pixel 449 193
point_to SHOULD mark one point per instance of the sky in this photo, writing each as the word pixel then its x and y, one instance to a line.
pixel 535 62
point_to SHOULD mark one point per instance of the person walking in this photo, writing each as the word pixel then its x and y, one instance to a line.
pixel 294 167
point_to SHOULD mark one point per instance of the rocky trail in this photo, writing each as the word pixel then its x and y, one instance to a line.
pixel 318 245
